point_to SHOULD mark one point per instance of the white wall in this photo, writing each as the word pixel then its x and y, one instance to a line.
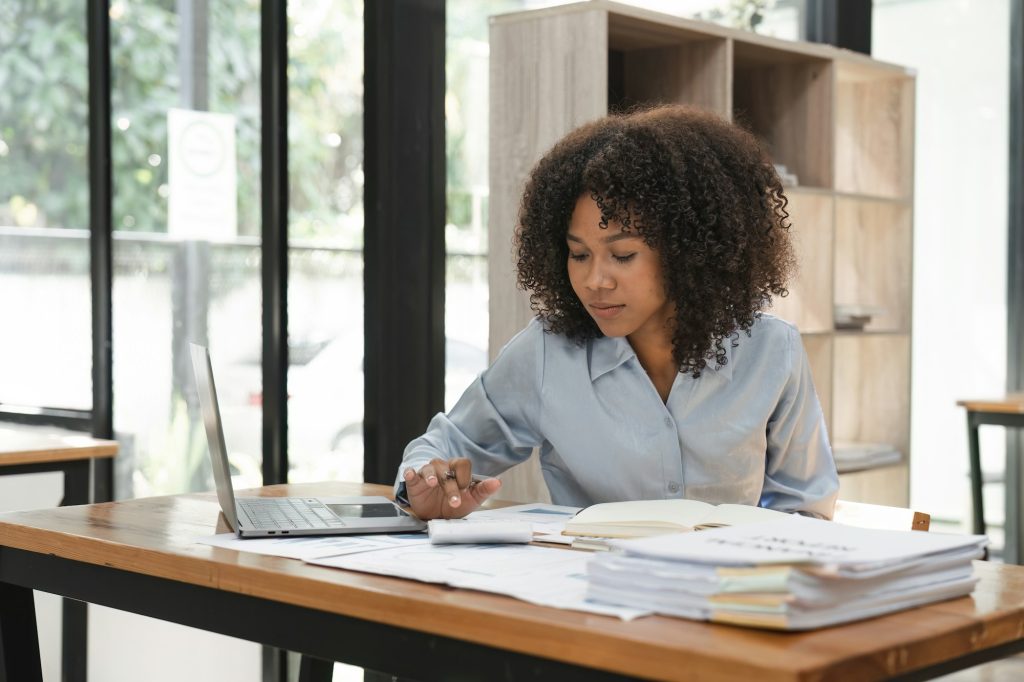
pixel 960 50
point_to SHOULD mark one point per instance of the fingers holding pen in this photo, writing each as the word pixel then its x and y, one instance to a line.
pixel 482 488
pixel 440 488
pixel 446 476
pixel 453 475
pixel 420 482
pixel 460 474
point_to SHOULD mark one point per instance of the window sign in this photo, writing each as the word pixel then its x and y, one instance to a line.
pixel 202 203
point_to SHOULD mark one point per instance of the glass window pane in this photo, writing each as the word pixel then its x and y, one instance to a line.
pixel 186 169
pixel 325 287
pixel 776 18
pixel 467 55
pixel 45 300
pixel 466 322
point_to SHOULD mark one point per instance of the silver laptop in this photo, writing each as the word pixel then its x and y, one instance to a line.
pixel 260 517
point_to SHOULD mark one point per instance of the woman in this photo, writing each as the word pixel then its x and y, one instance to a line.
pixel 650 242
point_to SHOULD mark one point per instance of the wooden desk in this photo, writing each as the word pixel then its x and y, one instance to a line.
pixel 30 451
pixel 1007 411
pixel 139 556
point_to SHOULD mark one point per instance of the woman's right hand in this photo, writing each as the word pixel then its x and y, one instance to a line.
pixel 445 489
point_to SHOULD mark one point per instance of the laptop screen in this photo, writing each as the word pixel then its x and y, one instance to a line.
pixel 214 431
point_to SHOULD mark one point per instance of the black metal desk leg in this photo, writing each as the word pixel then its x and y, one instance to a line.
pixel 975 456
pixel 315 669
pixel 74 640
pixel 75 617
pixel 1012 526
pixel 103 479
pixel 19 638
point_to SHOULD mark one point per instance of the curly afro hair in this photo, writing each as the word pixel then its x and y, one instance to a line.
pixel 698 190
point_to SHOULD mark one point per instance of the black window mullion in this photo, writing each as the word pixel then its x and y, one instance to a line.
pixel 274 262
pixel 843 23
pixel 1015 245
pixel 404 203
pixel 100 235
pixel 274 248
pixel 1015 231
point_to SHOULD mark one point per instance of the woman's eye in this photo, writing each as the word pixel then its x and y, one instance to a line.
pixel 578 257
pixel 624 259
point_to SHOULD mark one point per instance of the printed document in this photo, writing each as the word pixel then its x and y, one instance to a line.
pixel 823 544
pixel 540 575
pixel 314 546
pixel 548 519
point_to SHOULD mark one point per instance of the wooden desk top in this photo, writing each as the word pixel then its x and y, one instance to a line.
pixel 33 446
pixel 1012 403
pixel 155 536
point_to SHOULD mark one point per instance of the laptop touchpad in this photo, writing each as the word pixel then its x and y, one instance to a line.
pixel 365 511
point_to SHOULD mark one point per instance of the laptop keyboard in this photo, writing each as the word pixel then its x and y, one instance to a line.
pixel 287 513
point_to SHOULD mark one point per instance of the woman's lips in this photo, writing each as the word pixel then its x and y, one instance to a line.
pixel 605 311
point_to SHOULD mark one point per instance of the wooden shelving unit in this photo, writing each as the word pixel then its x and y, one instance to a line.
pixel 840 121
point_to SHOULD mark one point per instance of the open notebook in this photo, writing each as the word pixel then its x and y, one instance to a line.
pixel 640 518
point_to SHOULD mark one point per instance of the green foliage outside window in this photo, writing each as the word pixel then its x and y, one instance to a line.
pixel 43 114
pixel 44 100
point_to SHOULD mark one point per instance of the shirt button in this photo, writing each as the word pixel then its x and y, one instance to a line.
pixel 668 421
pixel 673 487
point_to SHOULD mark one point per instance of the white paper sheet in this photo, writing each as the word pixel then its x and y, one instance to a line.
pixel 828 545
pixel 315 546
pixel 540 575
pixel 478 531
pixel 547 519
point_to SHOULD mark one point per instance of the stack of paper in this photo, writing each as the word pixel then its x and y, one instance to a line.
pixel 788 575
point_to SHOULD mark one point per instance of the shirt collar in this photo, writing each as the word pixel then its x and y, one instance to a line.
pixel 607 353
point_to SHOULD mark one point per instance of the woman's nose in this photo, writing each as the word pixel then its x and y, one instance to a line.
pixel 599 277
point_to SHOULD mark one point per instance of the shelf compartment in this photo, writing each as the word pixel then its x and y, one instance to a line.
pixel 785 98
pixel 888 485
pixel 871 389
pixel 650 63
pixel 809 303
pixel 871 403
pixel 873 247
pixel 874 131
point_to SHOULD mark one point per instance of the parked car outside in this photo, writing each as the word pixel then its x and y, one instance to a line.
pixel 325 406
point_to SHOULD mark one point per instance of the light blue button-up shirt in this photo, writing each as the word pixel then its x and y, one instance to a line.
pixel 749 432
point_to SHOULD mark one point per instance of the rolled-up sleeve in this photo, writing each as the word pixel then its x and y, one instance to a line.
pixel 496 421
pixel 800 472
